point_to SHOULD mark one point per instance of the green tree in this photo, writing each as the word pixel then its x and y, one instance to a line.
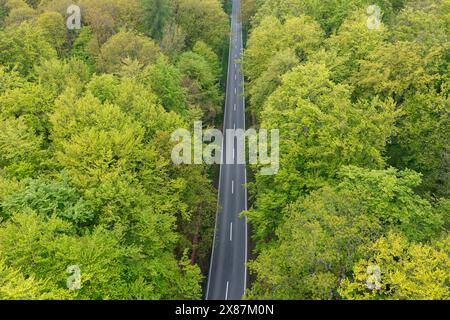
pixel 50 198
pixel 324 234
pixel 320 130
pixel 106 17
pixel 248 10
pixel 21 154
pixel 165 81
pixel 262 87
pixel 127 44
pixel 394 70
pixel 45 248
pixel 24 46
pixel 267 35
pixel 10 79
pixel 207 52
pixel 3 12
pixel 201 83
pixel 156 14
pixel 80 47
pixel 342 93
pixel 19 11
pixel 330 13
pixel 407 271
pixel 173 41
pixel 353 42
pixel 56 75
pixel 54 29
pixel 197 229
pixel 422 22
pixel 31 103
pixel 201 20
pixel 277 9
pixel 14 285
pixel 104 87
pixel 300 34
pixel 422 142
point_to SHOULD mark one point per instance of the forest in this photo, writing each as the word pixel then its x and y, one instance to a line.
pixel 359 209
pixel 85 121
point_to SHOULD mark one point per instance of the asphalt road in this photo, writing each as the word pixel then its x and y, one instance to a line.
pixel 228 273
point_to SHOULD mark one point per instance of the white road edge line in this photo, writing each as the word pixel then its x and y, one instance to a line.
pixel 226 292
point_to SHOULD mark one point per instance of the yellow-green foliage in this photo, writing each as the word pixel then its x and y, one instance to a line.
pixel 86 177
pixel 345 92
pixel 408 271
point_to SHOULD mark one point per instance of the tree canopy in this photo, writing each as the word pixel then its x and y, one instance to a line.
pixel 362 110
pixel 92 207
pixel 87 186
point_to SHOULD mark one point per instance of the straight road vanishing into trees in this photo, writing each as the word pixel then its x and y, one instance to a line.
pixel 228 274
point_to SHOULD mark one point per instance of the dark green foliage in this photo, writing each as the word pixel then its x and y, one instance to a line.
pixel 3 12
pixel 156 14
pixel 80 46
pixel 51 198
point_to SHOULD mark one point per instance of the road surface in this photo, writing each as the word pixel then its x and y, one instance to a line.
pixel 228 274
